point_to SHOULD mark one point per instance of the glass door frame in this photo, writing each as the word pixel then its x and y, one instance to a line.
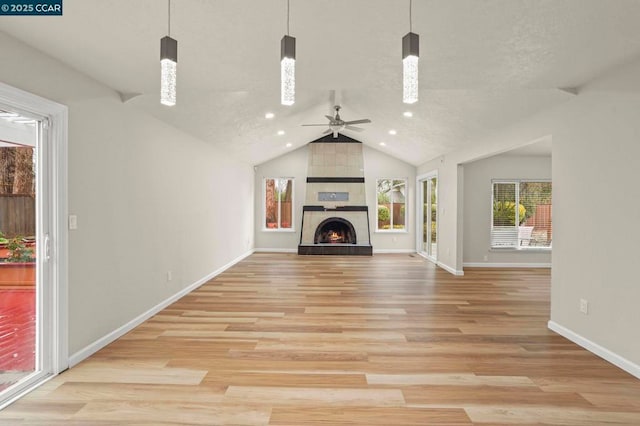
pixel 420 219
pixel 52 236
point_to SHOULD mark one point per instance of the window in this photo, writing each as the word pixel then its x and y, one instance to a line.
pixel 278 204
pixel 529 225
pixel 392 212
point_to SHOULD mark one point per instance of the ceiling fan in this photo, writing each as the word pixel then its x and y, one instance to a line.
pixel 337 124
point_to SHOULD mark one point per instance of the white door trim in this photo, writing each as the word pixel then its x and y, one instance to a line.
pixel 419 213
pixel 55 116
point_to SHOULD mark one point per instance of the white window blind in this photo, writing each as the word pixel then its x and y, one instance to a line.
pixel 521 214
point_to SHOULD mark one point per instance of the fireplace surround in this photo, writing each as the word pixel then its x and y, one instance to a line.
pixel 335 217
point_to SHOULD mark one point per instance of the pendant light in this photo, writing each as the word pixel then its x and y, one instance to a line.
pixel 168 63
pixel 287 67
pixel 410 55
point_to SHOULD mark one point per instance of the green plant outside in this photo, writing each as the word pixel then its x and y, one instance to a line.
pixel 394 227
pixel 18 251
pixel 383 214
pixel 504 213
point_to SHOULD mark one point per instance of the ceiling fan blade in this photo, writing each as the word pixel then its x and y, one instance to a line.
pixel 364 120
pixel 326 132
pixel 323 125
pixel 330 118
pixel 354 128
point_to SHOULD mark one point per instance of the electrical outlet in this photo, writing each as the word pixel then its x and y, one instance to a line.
pixel 485 258
pixel 169 276
pixel 584 306
pixel 73 221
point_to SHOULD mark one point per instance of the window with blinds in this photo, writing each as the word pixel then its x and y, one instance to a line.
pixel 521 214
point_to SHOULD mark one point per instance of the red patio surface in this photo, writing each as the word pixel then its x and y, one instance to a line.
pixel 17 330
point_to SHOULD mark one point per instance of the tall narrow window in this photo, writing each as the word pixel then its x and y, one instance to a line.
pixel 278 203
pixel 521 214
pixel 391 211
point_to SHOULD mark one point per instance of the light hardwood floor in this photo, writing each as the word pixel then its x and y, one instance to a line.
pixel 385 340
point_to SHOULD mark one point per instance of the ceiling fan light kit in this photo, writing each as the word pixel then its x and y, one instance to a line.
pixel 337 124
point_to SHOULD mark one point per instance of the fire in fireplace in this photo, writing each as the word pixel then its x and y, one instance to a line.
pixel 335 230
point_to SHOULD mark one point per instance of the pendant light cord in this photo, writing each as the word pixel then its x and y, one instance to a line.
pixel 410 16
pixel 287 17
pixel 169 17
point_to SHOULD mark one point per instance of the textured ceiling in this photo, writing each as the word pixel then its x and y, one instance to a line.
pixel 483 64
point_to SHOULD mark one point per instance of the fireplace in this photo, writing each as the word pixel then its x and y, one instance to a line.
pixel 335 216
pixel 335 230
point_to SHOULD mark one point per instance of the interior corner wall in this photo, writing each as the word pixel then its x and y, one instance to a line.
pixel 377 165
pixel 477 208
pixel 449 197
pixel 148 197
pixel 595 151
pixel 292 164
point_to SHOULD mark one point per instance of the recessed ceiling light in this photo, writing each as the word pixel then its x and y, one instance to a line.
pixel 382 144
pixel 289 145
pixel 269 115
pixel 280 132
pixel 392 132
pixel 408 114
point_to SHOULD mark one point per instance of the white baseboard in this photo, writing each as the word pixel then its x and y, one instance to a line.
pixel 276 250
pixel 449 269
pixel 393 251
pixel 505 265
pixel 94 347
pixel 613 358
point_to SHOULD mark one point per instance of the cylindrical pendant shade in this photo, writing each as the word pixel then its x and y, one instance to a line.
pixel 168 65
pixel 410 55
pixel 287 70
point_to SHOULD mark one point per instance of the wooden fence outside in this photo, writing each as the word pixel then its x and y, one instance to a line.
pixel 17 215
pixel 541 220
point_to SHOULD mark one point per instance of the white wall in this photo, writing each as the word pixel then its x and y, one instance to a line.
pixel 477 208
pixel 149 199
pixel 595 243
pixel 376 165
pixel 291 164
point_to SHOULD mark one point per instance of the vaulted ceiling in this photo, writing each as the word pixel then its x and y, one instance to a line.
pixel 483 64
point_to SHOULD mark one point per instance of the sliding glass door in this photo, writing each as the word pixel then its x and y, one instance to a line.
pixel 427 243
pixel 32 298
